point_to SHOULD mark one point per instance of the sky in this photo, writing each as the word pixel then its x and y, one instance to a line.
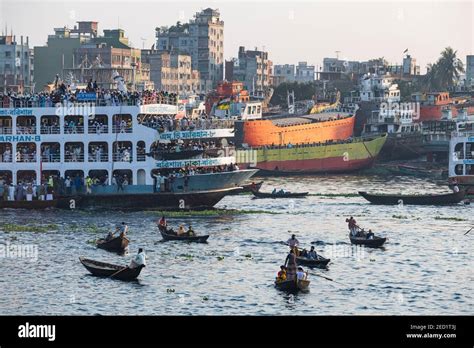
pixel 291 31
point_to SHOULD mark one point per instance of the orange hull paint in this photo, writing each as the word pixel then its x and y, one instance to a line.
pixel 435 112
pixel 264 132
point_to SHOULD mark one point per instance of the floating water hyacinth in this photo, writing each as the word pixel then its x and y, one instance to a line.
pixel 449 218
pixel 28 228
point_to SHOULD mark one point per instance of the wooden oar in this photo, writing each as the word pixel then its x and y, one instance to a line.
pixel 110 276
pixel 469 230
pixel 327 278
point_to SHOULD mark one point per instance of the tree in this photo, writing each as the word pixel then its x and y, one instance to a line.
pixel 445 72
pixel 450 68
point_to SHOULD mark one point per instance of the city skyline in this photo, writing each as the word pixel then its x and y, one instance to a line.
pixel 353 32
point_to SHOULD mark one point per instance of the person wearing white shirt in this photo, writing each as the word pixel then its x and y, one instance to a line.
pixel 138 260
pixel 301 274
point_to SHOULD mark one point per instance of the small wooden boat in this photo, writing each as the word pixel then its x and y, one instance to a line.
pixel 117 244
pixel 319 262
pixel 102 269
pixel 423 172
pixel 172 236
pixel 259 194
pixel 377 242
pixel 440 199
pixel 293 285
pixel 248 188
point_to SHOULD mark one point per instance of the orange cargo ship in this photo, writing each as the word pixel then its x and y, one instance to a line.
pixel 313 128
pixel 433 104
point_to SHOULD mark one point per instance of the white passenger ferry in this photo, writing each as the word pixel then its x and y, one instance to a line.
pixel 94 147
pixel 461 156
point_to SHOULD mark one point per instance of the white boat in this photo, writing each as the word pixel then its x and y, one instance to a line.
pixel 106 137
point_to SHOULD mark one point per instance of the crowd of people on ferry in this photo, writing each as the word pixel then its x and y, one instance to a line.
pixel 123 153
pixel 302 145
pixel 168 123
pixel 164 180
pixel 74 152
pixel 192 145
pixel 104 97
pixel 55 185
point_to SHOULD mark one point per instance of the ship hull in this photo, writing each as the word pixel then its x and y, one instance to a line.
pixel 336 158
pixel 257 133
pixel 435 112
pixel 147 201
pixel 402 146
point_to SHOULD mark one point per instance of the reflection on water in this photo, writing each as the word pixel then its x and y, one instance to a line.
pixel 426 267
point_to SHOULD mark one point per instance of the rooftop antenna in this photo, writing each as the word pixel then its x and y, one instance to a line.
pixel 337 54
pixel 143 42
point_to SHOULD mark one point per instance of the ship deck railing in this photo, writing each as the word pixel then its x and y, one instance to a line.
pixel 74 157
pixel 299 146
pixel 164 126
pixel 73 129
pixel 51 158
pixel 50 130
pixel 6 130
pixel 122 129
pixel 103 129
pixel 97 102
pixel 466 133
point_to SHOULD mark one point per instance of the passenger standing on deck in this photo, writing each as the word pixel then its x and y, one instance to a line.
pixel 88 185
pixel 67 184
pixel 119 183
pixel 290 263
pixel 77 183
pixel 6 189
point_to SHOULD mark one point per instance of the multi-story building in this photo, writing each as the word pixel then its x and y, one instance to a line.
pixel 105 56
pixel 409 66
pixel 80 54
pixel 304 72
pixel 16 64
pixel 283 73
pixel 470 70
pixel 203 39
pixel 378 88
pixel 59 51
pixel 254 69
pixel 172 71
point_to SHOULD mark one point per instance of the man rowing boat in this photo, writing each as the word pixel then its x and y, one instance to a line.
pixel 138 260
pixel 352 225
pixel 290 263
pixel 293 242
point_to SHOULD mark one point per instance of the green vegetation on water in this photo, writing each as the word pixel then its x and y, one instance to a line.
pixel 334 194
pixel 28 228
pixel 449 218
pixel 209 213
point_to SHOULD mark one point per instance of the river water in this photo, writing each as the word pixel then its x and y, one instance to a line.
pixel 425 268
